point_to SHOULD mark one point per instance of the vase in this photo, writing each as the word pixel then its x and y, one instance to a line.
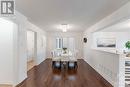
pixel 128 54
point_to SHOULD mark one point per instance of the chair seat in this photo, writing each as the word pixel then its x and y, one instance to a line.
pixel 56 64
pixel 72 64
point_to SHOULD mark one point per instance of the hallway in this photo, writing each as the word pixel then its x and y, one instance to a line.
pixel 91 34
pixel 44 76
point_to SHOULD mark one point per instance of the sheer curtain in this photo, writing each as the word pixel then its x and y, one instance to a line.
pixel 71 44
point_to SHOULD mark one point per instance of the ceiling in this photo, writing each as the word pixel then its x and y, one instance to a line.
pixel 123 26
pixel 79 14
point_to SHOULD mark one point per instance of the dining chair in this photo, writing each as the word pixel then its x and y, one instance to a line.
pixel 56 60
pixel 72 63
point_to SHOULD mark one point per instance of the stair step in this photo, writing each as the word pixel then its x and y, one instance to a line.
pixel 127 64
pixel 127 79
pixel 127 67
pixel 127 71
pixel 127 76
pixel 127 84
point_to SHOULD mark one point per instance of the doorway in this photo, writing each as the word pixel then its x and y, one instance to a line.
pixel 31 49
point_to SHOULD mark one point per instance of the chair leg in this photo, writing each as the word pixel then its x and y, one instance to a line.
pixel 53 64
pixel 76 65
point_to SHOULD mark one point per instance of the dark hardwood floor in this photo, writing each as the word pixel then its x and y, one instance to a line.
pixel 44 76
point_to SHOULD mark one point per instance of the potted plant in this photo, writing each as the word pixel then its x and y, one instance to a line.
pixel 127 45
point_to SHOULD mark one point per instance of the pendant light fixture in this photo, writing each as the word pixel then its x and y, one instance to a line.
pixel 64 27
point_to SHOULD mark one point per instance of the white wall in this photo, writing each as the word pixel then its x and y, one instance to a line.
pixel 6 51
pixel 30 45
pixel 20 51
pixel 40 42
pixel 103 62
pixel 16 64
pixel 120 37
pixel 13 52
pixel 51 36
pixel 107 63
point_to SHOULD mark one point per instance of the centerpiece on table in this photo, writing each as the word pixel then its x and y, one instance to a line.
pixel 64 50
pixel 127 45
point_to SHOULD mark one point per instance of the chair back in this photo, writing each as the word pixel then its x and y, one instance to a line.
pixel 73 56
pixel 56 53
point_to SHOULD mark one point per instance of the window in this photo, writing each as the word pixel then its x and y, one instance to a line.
pixel 68 43
pixel 59 43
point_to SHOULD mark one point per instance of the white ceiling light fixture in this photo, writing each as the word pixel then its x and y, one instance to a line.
pixel 64 27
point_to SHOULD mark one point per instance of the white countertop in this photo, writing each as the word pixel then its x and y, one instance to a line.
pixel 109 50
